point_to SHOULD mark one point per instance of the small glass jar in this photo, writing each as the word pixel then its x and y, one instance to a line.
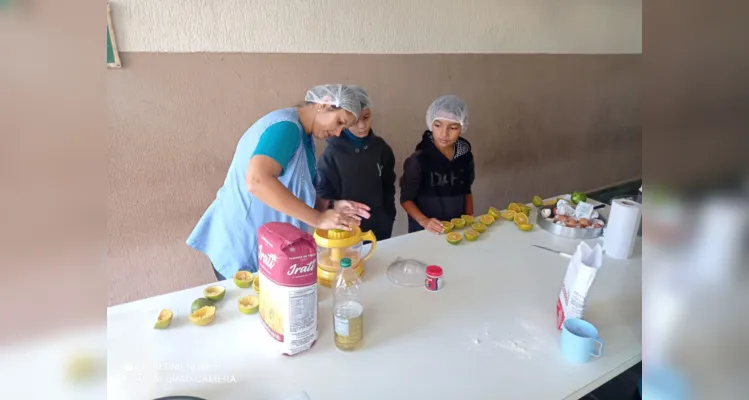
pixel 433 281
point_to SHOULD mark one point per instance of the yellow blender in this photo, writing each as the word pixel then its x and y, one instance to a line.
pixel 335 244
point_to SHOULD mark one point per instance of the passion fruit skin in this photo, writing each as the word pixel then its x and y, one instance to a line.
pixel 200 303
pixel 215 293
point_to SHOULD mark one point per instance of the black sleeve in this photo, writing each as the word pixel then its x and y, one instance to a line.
pixel 471 175
pixel 328 183
pixel 388 182
pixel 411 180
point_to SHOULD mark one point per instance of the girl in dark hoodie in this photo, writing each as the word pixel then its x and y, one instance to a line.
pixel 437 177
pixel 360 165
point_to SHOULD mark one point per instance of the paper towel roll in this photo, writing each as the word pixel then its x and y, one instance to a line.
pixel 620 233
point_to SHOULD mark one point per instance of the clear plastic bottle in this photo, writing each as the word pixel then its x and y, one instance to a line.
pixel 348 311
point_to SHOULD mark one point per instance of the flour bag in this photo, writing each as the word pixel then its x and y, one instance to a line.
pixel 287 260
pixel 581 272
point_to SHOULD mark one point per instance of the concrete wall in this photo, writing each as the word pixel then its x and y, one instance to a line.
pixel 552 91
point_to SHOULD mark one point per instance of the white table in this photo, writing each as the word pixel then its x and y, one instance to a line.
pixel 489 334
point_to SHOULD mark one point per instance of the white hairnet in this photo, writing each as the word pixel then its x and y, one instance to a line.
pixel 335 95
pixel 366 102
pixel 448 108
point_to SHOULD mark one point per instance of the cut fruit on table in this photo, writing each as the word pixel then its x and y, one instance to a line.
pixel 551 202
pixel 509 215
pixel 479 227
pixel 538 201
pixel 515 207
pixel 458 223
pixel 454 238
pixel 214 293
pixel 200 303
pixel 203 316
pixel 521 219
pixel 164 319
pixel 486 219
pixel 243 279
pixel 469 219
pixel 526 227
pixel 256 284
pixel 471 235
pixel 494 212
pixel 525 209
pixel 248 304
pixel 448 226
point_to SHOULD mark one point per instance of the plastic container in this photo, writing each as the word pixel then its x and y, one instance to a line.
pixel 433 281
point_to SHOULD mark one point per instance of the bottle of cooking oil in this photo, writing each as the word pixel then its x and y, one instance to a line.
pixel 348 312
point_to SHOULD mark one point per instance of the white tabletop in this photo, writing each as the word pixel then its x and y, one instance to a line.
pixel 489 333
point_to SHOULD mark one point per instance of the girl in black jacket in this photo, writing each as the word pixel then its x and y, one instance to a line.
pixel 437 177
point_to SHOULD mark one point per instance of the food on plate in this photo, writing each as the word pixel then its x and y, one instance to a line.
pixel 526 227
pixel 448 226
pixel 571 223
pixel 469 219
pixel 494 212
pixel 546 212
pixel 454 238
pixel 471 235
pixel 551 202
pixel 243 279
pixel 509 214
pixel 578 197
pixel 164 319
pixel 248 304
pixel 584 222
pixel 521 219
pixel 203 316
pixel 486 219
pixel 214 293
pixel 200 303
pixel 538 201
pixel 458 223
pixel 479 227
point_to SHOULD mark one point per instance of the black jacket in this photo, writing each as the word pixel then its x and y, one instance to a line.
pixel 436 185
pixel 363 171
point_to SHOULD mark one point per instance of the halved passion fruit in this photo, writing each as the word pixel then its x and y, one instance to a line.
pixel 526 227
pixel 256 284
pixel 494 212
pixel 197 304
pixel 454 238
pixel 486 219
pixel 203 316
pixel 164 319
pixel 459 223
pixel 469 219
pixel 214 293
pixel 243 279
pixel 509 214
pixel 248 304
pixel 471 235
pixel 479 227
pixel 448 226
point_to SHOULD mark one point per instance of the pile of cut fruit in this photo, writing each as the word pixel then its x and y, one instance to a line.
pixel 476 227
pixel 203 310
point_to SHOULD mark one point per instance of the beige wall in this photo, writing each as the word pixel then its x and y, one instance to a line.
pixel 540 124
pixel 551 87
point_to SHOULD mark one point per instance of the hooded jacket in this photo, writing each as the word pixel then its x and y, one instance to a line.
pixel 436 185
pixel 361 170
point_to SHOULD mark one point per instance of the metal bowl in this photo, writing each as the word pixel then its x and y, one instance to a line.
pixel 567 232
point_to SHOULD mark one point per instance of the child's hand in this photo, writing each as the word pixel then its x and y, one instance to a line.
pixel 433 225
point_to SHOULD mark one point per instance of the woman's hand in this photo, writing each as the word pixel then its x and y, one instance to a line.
pixel 432 225
pixel 332 219
pixel 352 209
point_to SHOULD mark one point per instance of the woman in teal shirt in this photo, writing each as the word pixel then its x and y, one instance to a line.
pixel 271 178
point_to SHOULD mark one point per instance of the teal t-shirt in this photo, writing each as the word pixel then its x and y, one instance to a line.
pixel 281 140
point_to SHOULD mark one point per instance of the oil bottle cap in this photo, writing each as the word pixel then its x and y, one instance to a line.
pixel 345 262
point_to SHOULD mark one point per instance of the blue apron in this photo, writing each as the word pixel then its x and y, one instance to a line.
pixel 227 232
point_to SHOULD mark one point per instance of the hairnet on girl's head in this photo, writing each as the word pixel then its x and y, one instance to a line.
pixel 335 95
pixel 448 108
pixel 366 102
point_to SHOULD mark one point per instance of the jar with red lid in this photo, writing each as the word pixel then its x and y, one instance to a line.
pixel 433 280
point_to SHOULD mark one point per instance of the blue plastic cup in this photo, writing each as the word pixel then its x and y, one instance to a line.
pixel 579 339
